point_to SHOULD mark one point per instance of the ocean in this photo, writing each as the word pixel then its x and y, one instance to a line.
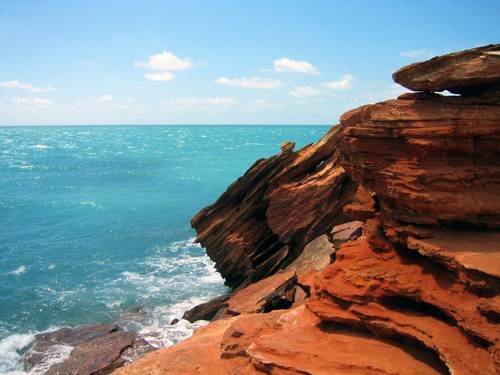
pixel 95 224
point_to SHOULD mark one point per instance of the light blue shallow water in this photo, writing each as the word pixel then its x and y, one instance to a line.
pixel 95 222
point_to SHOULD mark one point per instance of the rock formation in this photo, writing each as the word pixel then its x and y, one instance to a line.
pixel 95 349
pixel 264 220
pixel 374 251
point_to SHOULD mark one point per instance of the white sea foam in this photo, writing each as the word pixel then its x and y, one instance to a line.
pixel 19 271
pixel 88 203
pixel 10 355
pixel 177 269
pixel 41 146
pixel 157 330
pixel 55 354
pixel 22 165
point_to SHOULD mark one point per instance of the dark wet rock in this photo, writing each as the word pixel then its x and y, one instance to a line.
pixel 207 310
pixel 96 349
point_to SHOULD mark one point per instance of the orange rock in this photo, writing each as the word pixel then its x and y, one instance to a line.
pixel 472 253
pixel 418 294
pixel 197 355
pixel 430 159
pixel 464 72
pixel 361 276
pixel 329 349
pixel 264 220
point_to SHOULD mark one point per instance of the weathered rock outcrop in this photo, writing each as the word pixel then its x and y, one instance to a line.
pixel 430 159
pixel 264 220
pixel 374 251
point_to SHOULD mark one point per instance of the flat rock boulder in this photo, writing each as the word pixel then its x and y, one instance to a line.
pixel 316 255
pixel 95 349
pixel 346 232
pixel 465 72
pixel 207 310
pixel 271 293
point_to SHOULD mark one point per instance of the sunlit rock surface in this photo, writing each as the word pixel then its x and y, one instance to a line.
pixel 374 251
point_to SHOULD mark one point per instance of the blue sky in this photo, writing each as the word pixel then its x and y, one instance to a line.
pixel 219 62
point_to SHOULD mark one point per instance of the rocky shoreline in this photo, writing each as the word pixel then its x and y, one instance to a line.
pixel 375 250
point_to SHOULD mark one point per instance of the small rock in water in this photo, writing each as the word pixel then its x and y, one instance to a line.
pixel 174 321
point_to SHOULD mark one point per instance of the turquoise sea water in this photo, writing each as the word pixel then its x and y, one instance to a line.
pixel 95 223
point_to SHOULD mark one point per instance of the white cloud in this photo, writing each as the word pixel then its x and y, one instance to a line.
pixel 345 83
pixel 32 102
pixel 104 98
pixel 225 101
pixel 165 61
pixel 195 103
pixel 87 63
pixel 417 54
pixel 250 82
pixel 260 104
pixel 163 76
pixel 14 84
pixel 288 65
pixel 304 91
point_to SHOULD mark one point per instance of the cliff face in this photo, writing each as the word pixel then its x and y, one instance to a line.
pixel 264 220
pixel 376 250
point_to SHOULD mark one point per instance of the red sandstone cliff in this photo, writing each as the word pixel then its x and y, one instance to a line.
pixel 374 251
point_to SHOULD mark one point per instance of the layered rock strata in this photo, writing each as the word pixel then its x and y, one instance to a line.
pixel 264 220
pixel 374 251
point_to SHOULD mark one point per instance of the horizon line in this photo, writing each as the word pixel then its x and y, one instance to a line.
pixel 208 124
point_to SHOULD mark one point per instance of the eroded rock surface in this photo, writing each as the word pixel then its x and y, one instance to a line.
pixel 264 219
pixel 374 251
pixel 430 159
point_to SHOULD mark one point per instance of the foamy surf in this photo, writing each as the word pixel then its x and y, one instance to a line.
pixel 40 147
pixel 11 348
pixel 157 329
pixel 18 271
pixel 99 218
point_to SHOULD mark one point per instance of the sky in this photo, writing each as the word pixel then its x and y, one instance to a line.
pixel 219 62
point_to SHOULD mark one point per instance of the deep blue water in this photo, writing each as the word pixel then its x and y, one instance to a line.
pixel 95 222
